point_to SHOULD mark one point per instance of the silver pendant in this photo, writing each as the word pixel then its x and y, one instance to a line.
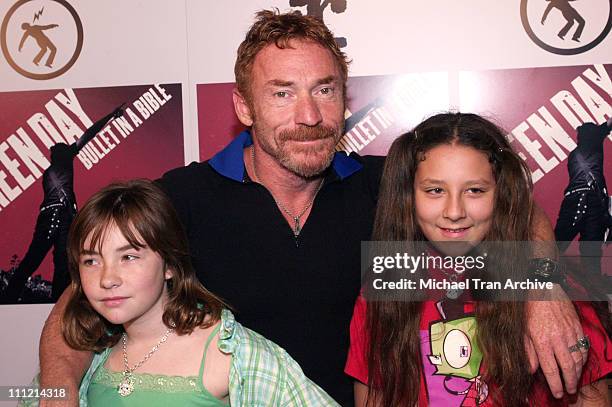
pixel 453 293
pixel 126 386
pixel 297 229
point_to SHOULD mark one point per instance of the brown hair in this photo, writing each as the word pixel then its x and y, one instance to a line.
pixel 272 27
pixel 145 216
pixel 394 355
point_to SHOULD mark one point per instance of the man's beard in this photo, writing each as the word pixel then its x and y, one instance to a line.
pixel 305 161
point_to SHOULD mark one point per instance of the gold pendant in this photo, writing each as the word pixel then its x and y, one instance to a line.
pixel 126 386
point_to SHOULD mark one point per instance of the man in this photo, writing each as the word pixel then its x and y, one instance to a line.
pixel 584 209
pixel 275 219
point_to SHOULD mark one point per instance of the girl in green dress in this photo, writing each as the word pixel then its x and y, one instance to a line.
pixel 161 338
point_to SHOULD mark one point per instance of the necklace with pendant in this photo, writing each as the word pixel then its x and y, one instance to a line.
pixel 452 277
pixel 452 293
pixel 126 386
pixel 297 227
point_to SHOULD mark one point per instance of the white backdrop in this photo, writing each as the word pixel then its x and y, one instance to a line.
pixel 133 42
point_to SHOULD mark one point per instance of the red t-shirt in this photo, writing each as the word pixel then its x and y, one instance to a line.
pixel 452 362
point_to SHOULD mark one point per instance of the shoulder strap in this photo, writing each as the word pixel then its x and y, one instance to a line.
pixel 208 341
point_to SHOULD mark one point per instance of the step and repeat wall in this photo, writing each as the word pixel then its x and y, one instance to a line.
pixel 537 68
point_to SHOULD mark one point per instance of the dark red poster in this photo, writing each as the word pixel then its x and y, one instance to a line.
pixel 144 143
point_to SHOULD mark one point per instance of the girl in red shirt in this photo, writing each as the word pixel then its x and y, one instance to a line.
pixel 455 178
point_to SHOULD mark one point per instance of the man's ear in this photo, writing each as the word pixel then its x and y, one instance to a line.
pixel 242 108
pixel 168 274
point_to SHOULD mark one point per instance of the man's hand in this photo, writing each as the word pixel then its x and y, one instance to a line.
pixel 552 327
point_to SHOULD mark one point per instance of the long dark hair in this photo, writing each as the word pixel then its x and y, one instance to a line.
pixel 394 355
pixel 145 216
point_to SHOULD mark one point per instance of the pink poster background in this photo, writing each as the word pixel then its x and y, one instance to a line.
pixel 510 96
pixel 151 149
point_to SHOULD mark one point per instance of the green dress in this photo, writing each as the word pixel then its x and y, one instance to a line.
pixel 152 390
pixel 262 374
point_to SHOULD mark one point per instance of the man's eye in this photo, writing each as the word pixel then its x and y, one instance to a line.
pixel 129 257
pixel 281 94
pixel 328 90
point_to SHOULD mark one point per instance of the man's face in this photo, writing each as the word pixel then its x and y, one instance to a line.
pixel 296 106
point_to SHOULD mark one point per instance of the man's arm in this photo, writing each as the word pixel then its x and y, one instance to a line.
pixel 543 235
pixel 552 323
pixel 60 365
pixel 91 132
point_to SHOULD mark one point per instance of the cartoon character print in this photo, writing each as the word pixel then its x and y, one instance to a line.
pixel 454 353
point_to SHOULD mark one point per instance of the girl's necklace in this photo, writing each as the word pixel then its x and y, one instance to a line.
pixel 126 386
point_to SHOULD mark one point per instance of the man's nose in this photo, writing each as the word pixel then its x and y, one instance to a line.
pixel 307 111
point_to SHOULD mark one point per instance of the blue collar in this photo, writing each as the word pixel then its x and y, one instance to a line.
pixel 229 162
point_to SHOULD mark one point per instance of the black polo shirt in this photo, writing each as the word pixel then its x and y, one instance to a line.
pixel 300 295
